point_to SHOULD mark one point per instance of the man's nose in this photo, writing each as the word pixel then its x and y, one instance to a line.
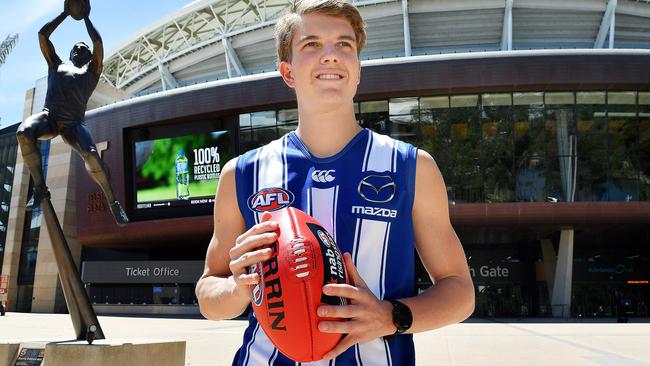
pixel 330 54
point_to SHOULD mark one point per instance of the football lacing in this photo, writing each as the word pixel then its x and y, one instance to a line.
pixel 299 252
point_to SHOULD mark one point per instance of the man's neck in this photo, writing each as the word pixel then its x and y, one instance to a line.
pixel 325 133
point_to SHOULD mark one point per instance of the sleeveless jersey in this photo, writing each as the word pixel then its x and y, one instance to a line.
pixel 364 197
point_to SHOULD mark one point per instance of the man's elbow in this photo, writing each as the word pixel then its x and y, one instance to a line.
pixel 469 300
pixel 203 308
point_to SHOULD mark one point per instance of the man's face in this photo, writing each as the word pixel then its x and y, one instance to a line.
pixel 324 68
pixel 80 55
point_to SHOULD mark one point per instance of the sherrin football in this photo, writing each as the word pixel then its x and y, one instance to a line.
pixel 77 8
pixel 304 258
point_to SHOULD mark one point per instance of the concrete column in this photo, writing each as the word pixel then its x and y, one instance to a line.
pixel 550 259
pixel 561 295
pixel 407 28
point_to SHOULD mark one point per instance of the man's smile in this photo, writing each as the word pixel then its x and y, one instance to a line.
pixel 330 75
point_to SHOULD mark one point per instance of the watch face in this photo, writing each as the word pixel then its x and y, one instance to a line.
pixel 402 317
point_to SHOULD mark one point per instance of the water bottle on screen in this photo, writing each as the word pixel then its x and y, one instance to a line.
pixel 182 177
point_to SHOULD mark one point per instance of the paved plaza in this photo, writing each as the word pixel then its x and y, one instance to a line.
pixel 473 343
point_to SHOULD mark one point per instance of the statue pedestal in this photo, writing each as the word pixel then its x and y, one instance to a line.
pixel 8 352
pixel 100 353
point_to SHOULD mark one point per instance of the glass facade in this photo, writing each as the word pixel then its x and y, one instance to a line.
pixel 29 247
pixel 511 147
pixel 146 294
pixel 560 146
pixel 8 149
pixel 610 275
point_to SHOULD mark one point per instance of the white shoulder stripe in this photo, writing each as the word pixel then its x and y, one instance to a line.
pixel 285 176
pixel 255 186
pixel 364 166
pixel 394 165
pixel 381 157
pixel 270 168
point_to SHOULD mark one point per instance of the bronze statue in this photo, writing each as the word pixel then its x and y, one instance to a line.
pixel 68 89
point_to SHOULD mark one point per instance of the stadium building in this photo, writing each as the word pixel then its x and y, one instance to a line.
pixel 537 113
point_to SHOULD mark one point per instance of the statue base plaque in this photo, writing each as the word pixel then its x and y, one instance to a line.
pixel 100 353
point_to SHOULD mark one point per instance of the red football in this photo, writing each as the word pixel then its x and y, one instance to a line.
pixel 77 8
pixel 305 257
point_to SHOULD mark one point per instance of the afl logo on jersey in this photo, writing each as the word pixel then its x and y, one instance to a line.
pixel 270 199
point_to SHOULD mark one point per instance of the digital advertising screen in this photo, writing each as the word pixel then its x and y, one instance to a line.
pixel 181 170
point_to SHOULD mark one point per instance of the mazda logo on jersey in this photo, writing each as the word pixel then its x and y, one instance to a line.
pixel 377 188
pixel 270 199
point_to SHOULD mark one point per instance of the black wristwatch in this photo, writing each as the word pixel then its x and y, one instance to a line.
pixel 402 316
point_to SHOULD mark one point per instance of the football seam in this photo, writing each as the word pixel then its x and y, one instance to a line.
pixel 309 311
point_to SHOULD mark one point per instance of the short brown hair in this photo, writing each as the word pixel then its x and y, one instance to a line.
pixel 285 26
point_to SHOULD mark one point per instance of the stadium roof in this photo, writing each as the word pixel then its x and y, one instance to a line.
pixel 219 39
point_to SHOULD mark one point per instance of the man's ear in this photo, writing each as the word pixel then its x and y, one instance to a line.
pixel 287 74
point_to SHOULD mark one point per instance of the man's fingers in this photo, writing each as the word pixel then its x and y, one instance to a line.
pixel 344 311
pixel 247 259
pixel 342 327
pixel 260 228
pixel 347 342
pixel 355 277
pixel 251 243
pixel 343 290
pixel 247 279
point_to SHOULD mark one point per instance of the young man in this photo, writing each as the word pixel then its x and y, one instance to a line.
pixel 381 199
pixel 68 89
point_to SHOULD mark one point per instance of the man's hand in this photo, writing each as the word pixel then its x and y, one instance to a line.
pixel 248 250
pixel 369 317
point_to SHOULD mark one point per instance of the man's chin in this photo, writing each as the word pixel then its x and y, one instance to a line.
pixel 327 105
pixel 333 95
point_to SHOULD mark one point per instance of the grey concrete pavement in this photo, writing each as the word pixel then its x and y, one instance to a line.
pixel 473 343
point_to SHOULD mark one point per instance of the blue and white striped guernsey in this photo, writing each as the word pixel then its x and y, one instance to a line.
pixel 364 197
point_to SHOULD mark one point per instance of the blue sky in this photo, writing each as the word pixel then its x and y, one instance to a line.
pixel 116 21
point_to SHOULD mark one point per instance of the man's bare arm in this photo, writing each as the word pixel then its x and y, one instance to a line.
pixel 47 48
pixel 223 290
pixel 218 295
pixel 97 63
pixel 451 298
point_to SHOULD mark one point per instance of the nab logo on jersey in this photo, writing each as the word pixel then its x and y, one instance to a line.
pixel 270 199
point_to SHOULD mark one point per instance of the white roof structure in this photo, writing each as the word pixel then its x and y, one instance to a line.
pixel 218 39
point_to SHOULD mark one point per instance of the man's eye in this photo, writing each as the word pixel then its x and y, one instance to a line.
pixel 344 44
pixel 311 44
